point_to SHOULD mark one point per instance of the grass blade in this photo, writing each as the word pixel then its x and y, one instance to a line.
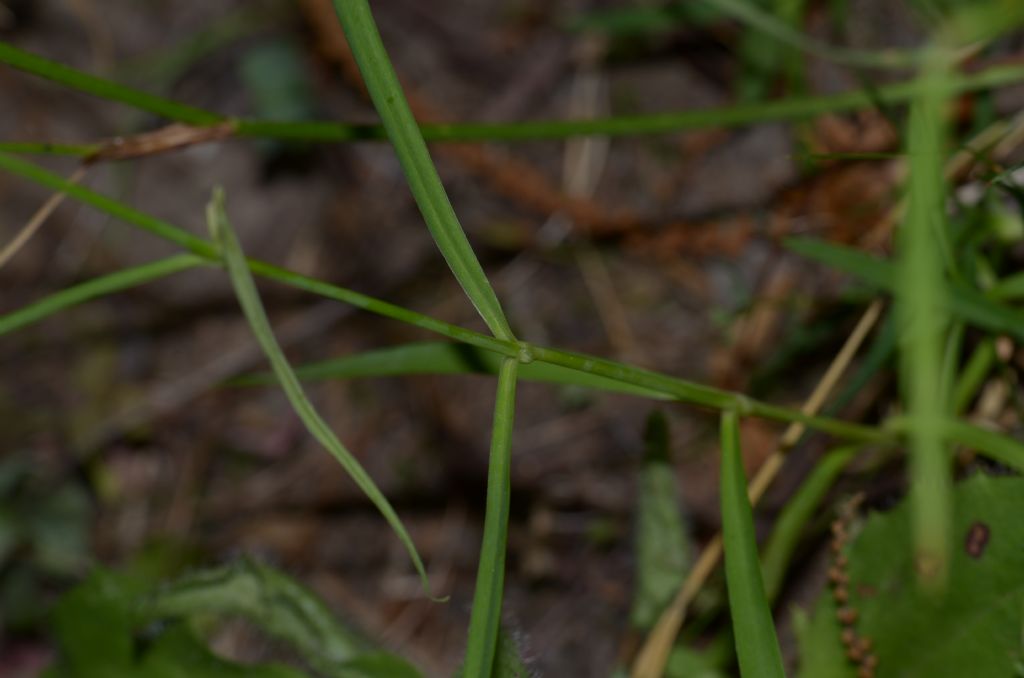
pixel 963 302
pixel 438 357
pixel 485 618
pixel 104 89
pixel 97 287
pixel 252 307
pixel 790 108
pixel 921 307
pixel 756 644
pixel 673 387
pixel 679 389
pixel 989 443
pixel 756 18
pixel 389 100
pixel 778 551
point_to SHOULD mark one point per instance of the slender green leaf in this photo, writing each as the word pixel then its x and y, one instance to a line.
pixel 389 100
pixel 922 308
pixel 437 357
pixel 800 508
pixel 989 443
pixel 974 374
pixel 248 297
pixel 756 644
pixel 1010 288
pixel 790 108
pixel 679 389
pixel 662 552
pixel 97 287
pixel 963 302
pixel 485 617
pixel 753 16
pixel 104 89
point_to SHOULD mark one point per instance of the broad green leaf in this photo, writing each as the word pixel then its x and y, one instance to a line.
pixel 973 629
pixel 662 553
pixel 273 601
pixel 756 644
pixel 444 358
pixel 178 653
pixel 252 307
pixel 389 100
pixel 485 617
pixel 93 626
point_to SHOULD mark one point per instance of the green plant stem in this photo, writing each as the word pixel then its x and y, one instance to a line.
pixel 921 305
pixel 757 646
pixel 420 173
pixel 97 287
pixel 793 108
pixel 678 389
pixel 485 618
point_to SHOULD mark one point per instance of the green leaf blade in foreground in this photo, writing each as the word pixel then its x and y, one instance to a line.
pixel 794 517
pixel 485 618
pixel 389 100
pixel 252 307
pixel 757 646
pixel 104 89
pixel 673 387
pixel 97 287
pixel 922 307
pixel 439 357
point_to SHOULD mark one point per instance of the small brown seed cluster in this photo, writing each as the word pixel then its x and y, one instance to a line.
pixel 858 648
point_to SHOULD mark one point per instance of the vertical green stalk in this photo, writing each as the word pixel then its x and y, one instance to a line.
pixel 424 182
pixel 485 618
pixel 921 302
pixel 757 646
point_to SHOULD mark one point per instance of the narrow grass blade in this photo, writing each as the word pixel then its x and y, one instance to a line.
pixel 998 447
pixel 662 553
pixel 790 108
pixel 756 18
pixel 485 618
pixel 922 308
pixel 248 298
pixel 963 302
pixel 105 89
pixel 389 100
pixel 437 357
pixel 778 551
pixel 756 644
pixel 679 389
pixel 973 374
pixel 97 287
pixel 49 148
